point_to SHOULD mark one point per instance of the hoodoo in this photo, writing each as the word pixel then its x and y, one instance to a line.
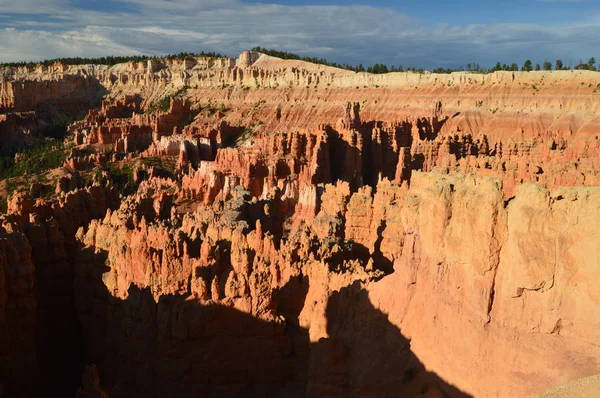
pixel 267 227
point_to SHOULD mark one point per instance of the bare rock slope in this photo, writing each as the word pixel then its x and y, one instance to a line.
pixel 261 227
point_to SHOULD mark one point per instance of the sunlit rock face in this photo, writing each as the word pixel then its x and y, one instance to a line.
pixel 261 227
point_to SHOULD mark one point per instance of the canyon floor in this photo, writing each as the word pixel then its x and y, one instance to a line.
pixel 258 227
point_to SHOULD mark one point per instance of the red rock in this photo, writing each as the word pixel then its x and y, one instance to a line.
pixel 345 234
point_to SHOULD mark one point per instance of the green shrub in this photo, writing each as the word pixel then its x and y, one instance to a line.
pixel 163 104
pixel 120 177
pixel 50 155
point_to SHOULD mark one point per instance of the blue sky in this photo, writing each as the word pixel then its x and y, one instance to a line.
pixel 423 33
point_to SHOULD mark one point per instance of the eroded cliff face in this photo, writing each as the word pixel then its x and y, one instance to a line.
pixel 482 293
pixel 536 126
pixel 289 229
pixel 41 337
pixel 510 277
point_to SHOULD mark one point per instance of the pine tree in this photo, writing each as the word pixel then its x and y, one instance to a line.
pixel 527 66
pixel 591 63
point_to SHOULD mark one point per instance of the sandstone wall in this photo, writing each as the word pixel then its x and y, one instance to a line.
pixel 482 292
pixel 41 338
pixel 323 233
pixel 496 288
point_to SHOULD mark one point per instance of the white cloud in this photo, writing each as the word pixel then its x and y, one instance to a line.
pixel 19 45
pixel 565 1
pixel 354 34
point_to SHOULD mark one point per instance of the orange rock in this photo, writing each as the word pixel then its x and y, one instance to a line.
pixel 346 234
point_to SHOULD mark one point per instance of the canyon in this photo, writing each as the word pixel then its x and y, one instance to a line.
pixel 254 226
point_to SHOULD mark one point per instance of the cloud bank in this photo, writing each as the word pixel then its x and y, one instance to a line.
pixel 43 29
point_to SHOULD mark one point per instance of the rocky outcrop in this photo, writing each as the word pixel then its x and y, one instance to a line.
pixel 69 90
pixel 345 234
pixel 119 125
pixel 90 384
pixel 509 125
pixel 40 334
pixel 17 314
pixel 458 260
pixel 194 286
pixel 19 130
pixel 463 249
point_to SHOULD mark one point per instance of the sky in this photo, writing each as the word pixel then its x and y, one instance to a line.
pixel 417 33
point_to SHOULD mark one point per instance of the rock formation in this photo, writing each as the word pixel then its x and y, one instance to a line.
pixel 286 229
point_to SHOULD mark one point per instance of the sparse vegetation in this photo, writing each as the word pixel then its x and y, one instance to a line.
pixel 208 108
pixel 29 167
pixel 58 129
pixel 255 107
pixel 47 156
pixel 120 177
pixel 193 114
pixel 375 69
pixel 249 132
pixel 163 104
pixel 527 66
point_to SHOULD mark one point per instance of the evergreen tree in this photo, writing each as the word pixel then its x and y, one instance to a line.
pixel 559 64
pixel 377 68
pixel 527 66
pixel 581 66
pixel 592 63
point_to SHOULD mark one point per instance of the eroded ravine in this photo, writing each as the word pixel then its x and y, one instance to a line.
pixel 278 228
